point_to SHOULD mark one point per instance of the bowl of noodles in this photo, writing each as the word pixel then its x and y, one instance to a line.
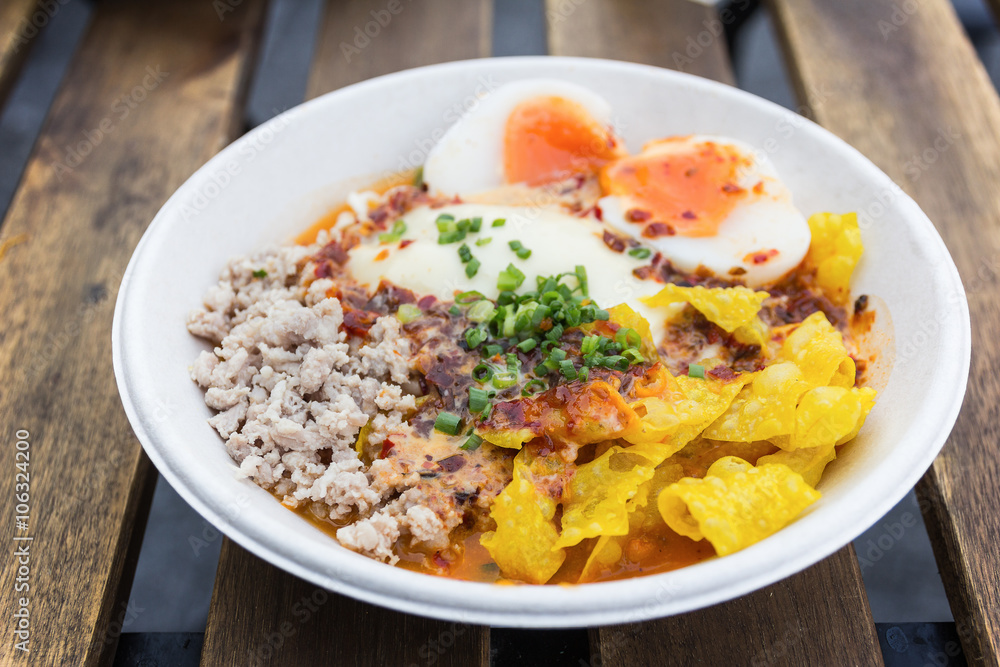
pixel 445 339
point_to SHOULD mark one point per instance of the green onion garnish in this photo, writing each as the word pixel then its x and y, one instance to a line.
pixel 581 277
pixel 478 399
pixel 557 354
pixel 696 371
pixel 454 311
pixel 481 311
pixel 448 423
pixel 640 253
pixel 471 296
pixel 418 178
pixel 445 219
pixel 477 224
pixel 602 315
pixel 633 355
pixel 474 337
pixel 500 222
pixel 484 241
pixel 567 369
pixel 482 372
pixel 510 278
pixel 519 249
pixel 464 253
pixel 492 350
pixel 504 379
pixel 472 268
pixel 529 388
pixel 260 273
pixel 527 345
pixel 463 224
pixel 398 229
pixel 408 312
pixel 627 338
pixel 472 443
pixel 455 236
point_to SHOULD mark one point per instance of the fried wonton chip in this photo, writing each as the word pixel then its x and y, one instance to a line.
pixel 598 492
pixel 834 251
pixel 641 513
pixel 671 420
pixel 810 463
pixel 735 504
pixel 579 413
pixel 728 307
pixel 817 348
pixel 754 332
pixel 827 416
pixel 522 544
pixel 764 408
pixel 624 316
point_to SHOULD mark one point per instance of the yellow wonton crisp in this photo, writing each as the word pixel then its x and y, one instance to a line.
pixel 735 504
pixel 826 415
pixel 595 501
pixel 817 348
pixel 810 463
pixel 764 408
pixel 729 307
pixel 834 251
pixel 522 544
pixel 623 315
pixel 671 420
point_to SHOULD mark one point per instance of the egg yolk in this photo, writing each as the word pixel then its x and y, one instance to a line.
pixel 549 139
pixel 673 188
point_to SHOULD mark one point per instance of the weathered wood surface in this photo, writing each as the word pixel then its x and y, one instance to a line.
pixel 18 28
pixel 252 599
pixel 149 97
pixel 901 82
pixel 799 621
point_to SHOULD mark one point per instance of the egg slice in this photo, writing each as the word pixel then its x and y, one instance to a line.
pixel 708 202
pixel 558 243
pixel 531 132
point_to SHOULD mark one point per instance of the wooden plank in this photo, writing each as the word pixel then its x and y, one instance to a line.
pixel 264 616
pixel 901 82
pixel 677 34
pixel 366 635
pixel 18 28
pixel 361 39
pixel 149 97
pixel 801 620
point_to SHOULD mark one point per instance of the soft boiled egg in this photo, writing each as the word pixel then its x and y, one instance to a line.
pixel 710 202
pixel 559 242
pixel 530 132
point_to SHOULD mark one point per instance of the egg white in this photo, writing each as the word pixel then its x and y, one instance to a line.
pixel 469 157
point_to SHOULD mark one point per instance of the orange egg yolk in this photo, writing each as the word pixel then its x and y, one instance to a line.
pixel 673 188
pixel 549 139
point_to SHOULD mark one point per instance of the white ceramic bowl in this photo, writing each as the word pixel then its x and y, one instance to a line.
pixel 276 180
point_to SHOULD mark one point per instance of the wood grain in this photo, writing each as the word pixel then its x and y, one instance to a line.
pixel 801 620
pixel 252 599
pixel 677 34
pixel 901 82
pixel 150 96
pixel 361 39
pixel 17 33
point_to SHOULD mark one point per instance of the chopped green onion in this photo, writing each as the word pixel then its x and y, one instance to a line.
pixel 513 363
pixel 464 253
pixel 445 217
pixel 555 333
pixel 481 311
pixel 532 383
pixel 446 223
pixel 477 224
pixel 640 253
pixel 523 253
pixel 510 278
pixel 602 315
pixel 472 296
pixel 448 423
pixel 633 355
pixel 568 370
pixel 504 379
pixel 260 273
pixel 492 350
pixel 499 222
pixel 484 241
pixel 463 224
pixel 589 345
pixel 519 249
pixel 398 229
pixel 557 354
pixel 527 345
pixel 696 371
pixel 581 277
pixel 478 399
pixel 454 311
pixel 408 312
pixel 472 268
pixel 584 374
pixel 474 337
pixel 418 178
pixel 482 372
pixel 444 238
pixel 627 338
pixel 615 362
pixel 472 443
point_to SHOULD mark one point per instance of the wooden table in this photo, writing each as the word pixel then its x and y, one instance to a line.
pixel 889 76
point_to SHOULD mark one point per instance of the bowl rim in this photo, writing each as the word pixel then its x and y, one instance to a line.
pixel 629 600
